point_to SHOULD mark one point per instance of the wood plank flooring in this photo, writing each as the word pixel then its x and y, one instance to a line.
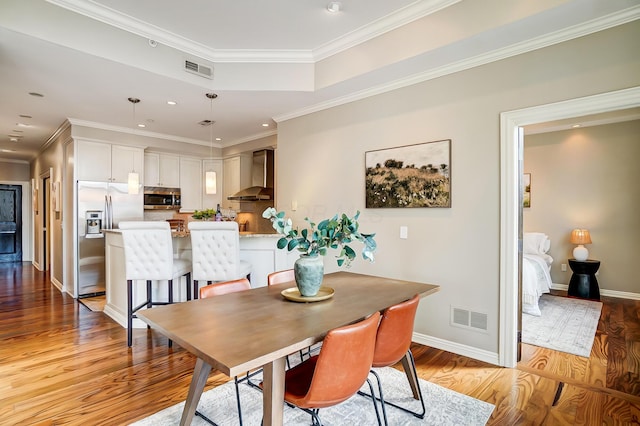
pixel 62 364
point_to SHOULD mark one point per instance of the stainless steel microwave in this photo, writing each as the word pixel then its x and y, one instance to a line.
pixel 159 198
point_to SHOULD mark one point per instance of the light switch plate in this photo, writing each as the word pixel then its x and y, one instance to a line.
pixel 404 232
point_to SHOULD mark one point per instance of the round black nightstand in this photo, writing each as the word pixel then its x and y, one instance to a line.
pixel 583 281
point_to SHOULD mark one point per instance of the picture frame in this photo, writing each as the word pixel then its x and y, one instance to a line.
pixel 409 176
pixel 34 196
pixel 526 190
pixel 55 196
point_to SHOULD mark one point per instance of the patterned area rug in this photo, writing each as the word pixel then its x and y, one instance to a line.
pixel 444 407
pixel 566 325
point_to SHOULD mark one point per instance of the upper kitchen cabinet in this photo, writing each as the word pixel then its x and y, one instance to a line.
pixel 161 170
pixel 191 184
pixel 105 162
pixel 237 175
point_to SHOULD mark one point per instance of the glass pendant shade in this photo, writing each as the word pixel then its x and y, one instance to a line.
pixel 210 183
pixel 133 183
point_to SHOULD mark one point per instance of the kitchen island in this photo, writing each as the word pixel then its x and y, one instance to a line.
pixel 258 249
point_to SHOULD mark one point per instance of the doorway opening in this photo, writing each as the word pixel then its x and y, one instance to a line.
pixel 11 223
pixel 511 145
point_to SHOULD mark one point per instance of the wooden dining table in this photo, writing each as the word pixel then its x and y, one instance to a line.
pixel 239 332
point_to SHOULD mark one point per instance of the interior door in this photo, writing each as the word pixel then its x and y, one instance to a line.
pixel 10 223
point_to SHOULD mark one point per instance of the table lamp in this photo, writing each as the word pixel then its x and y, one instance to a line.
pixel 580 237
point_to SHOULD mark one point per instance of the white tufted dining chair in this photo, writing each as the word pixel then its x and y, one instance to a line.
pixel 215 251
pixel 148 253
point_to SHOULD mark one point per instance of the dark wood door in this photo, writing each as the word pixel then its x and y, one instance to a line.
pixel 10 223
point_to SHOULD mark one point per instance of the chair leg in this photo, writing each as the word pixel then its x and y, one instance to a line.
pixel 195 289
pixel 129 311
pixel 235 380
pixel 188 275
pixel 412 367
pixel 170 300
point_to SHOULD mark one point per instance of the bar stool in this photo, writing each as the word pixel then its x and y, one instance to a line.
pixel 148 253
pixel 215 252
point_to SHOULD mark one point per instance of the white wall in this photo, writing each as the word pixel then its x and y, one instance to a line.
pixel 582 178
pixel 321 166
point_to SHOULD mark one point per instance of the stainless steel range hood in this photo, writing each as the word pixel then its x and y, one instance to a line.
pixel 262 179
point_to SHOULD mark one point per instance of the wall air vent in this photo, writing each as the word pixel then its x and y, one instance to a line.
pixel 198 69
pixel 468 319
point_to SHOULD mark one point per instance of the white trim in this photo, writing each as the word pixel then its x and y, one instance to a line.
pixel 509 207
pixel 456 348
pixel 144 29
pixel 604 292
pixel 566 34
pixel 397 19
pixel 7 160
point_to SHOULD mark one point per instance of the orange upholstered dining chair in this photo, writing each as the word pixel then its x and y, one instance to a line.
pixel 338 372
pixel 393 343
pixel 280 277
pixel 219 289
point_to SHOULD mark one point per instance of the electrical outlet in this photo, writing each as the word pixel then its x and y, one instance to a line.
pixel 563 267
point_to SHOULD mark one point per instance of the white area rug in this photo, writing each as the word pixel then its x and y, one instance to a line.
pixel 444 407
pixel 566 325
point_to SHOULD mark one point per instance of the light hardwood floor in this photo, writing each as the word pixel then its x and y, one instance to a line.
pixel 62 364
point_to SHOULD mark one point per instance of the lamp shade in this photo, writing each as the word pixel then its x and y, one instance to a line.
pixel 580 236
pixel 210 182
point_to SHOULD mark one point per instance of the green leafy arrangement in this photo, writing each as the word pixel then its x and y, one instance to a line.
pixel 337 232
pixel 204 214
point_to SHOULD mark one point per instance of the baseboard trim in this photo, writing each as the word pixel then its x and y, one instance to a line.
pixel 57 284
pixel 457 348
pixel 121 318
pixel 603 292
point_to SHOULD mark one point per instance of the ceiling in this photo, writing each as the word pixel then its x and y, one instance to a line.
pixel 270 61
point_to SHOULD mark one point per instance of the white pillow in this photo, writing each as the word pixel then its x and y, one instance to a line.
pixel 535 243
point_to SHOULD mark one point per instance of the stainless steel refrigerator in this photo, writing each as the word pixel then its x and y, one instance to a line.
pixel 101 205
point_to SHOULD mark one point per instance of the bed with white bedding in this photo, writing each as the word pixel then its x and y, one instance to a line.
pixel 536 264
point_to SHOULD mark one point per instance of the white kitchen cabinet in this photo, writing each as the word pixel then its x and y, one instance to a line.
pixel 210 201
pixel 161 170
pixel 237 176
pixel 191 184
pixel 125 159
pixel 104 162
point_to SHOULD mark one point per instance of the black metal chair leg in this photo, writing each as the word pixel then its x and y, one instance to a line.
pixel 129 312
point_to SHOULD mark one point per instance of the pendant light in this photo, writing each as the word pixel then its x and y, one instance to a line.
pixel 210 178
pixel 133 179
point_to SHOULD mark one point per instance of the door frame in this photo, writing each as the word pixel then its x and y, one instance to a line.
pixel 511 155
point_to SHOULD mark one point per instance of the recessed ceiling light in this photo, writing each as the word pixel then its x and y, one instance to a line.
pixel 142 125
pixel 172 103
pixel 334 6
pixel 22 125
pixel 265 124
pixel 13 139
pixel 218 139
pixel 8 150
pixel 36 94
pixel 575 126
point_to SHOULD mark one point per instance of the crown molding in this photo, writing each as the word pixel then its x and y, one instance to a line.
pixel 102 126
pixel 141 28
pixel 566 34
pixel 7 160
pixel 401 17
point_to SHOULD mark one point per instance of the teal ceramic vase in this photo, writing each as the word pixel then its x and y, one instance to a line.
pixel 308 271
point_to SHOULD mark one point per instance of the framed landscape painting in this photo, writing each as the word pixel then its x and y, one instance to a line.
pixel 409 176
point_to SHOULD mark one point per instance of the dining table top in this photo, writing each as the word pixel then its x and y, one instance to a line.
pixel 238 332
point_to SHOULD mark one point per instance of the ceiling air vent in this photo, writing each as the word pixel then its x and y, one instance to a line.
pixel 201 70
